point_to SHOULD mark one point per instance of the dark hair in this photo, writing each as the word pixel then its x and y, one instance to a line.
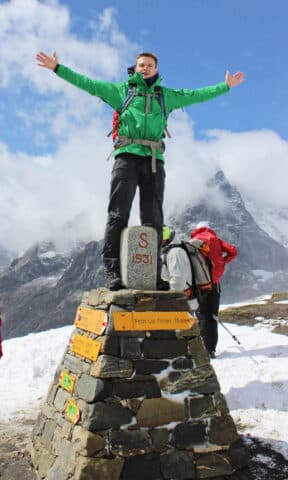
pixel 148 54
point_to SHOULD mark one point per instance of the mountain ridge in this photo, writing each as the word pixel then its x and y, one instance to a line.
pixel 41 289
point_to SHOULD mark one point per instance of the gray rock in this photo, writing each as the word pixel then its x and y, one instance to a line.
pixel 164 348
pixel 159 411
pixel 198 352
pixel 89 388
pixel 220 403
pixel 178 465
pixel 74 364
pixel 213 465
pixel 127 443
pixel 130 348
pixel 160 439
pixel 66 457
pixel 147 366
pixel 56 472
pixel 186 435
pixel 46 461
pixel 39 426
pixel 61 399
pixel 201 407
pixel 200 380
pixel 48 433
pixel 142 467
pixel 101 416
pixel 98 468
pixel 183 363
pixel 110 344
pixel 107 366
pixel 138 386
pixel 222 430
pixel 87 443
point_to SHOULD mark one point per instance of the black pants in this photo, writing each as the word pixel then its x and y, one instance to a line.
pixel 130 171
pixel 209 306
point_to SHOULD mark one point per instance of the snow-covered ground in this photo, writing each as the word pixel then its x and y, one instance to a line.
pixel 253 377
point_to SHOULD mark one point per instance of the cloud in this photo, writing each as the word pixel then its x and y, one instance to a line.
pixel 41 192
pixel 30 26
pixel 255 161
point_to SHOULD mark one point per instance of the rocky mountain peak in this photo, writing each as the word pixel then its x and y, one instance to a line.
pixel 42 288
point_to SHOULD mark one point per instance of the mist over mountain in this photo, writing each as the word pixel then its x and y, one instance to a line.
pixel 42 288
pixel 5 258
pixel 262 262
pixel 274 220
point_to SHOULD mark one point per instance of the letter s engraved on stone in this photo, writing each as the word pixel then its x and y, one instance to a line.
pixel 143 243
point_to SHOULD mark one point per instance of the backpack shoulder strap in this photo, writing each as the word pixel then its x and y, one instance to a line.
pixel 158 90
pixel 181 245
pixel 160 99
pixel 167 249
pixel 129 97
pixel 188 250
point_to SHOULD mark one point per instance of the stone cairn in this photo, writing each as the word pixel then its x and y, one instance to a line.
pixel 135 396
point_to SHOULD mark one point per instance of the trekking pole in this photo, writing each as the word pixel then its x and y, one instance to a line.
pixel 227 330
pixel 236 340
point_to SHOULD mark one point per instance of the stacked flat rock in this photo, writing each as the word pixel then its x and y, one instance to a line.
pixel 135 397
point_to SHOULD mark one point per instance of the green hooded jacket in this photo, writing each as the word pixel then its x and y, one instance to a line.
pixel 135 123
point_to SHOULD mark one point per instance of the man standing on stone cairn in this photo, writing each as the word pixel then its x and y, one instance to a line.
pixel 139 150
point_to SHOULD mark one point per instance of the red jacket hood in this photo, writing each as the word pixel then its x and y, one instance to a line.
pixel 201 230
pixel 220 253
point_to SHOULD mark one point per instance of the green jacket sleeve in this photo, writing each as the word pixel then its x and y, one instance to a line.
pixel 182 98
pixel 111 92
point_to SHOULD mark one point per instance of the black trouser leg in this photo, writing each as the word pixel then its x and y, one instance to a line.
pixel 122 191
pixel 151 187
pixel 208 307
pixel 215 302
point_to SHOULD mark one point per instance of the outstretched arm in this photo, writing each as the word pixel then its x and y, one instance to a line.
pixel 179 98
pixel 234 80
pixel 47 62
pixel 110 92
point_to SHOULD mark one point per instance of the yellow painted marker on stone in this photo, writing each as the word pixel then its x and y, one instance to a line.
pixel 91 320
pixel 124 321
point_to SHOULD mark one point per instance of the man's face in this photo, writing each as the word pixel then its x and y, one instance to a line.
pixel 146 66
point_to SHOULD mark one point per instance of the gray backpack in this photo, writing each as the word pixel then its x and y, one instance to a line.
pixel 200 265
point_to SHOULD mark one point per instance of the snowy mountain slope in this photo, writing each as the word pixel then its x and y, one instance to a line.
pixel 41 290
pixel 262 262
pixel 273 220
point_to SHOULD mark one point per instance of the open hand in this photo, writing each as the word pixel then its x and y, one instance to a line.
pixel 47 62
pixel 234 80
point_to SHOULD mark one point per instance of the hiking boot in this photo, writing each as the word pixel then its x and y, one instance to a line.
pixel 113 281
pixel 162 285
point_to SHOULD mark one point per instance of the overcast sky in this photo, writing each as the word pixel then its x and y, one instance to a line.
pixel 53 144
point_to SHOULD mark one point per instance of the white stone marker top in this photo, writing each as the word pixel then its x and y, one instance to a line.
pixel 138 257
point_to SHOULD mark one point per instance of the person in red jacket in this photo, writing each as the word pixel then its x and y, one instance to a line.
pixel 1 351
pixel 220 253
